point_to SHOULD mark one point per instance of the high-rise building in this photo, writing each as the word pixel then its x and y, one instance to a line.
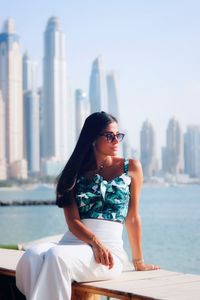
pixel 192 151
pixel 11 88
pixel 98 87
pixel 128 151
pixel 31 115
pixel 30 73
pixel 55 129
pixel 32 131
pixel 3 172
pixel 112 92
pixel 147 149
pixel 82 109
pixel 173 153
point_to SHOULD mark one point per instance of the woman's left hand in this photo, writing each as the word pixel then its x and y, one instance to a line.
pixel 145 267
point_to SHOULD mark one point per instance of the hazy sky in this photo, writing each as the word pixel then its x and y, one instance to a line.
pixel 153 45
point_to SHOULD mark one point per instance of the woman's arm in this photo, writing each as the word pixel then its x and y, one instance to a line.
pixel 101 253
pixel 133 219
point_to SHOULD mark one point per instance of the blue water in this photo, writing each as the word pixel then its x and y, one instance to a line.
pixel 170 222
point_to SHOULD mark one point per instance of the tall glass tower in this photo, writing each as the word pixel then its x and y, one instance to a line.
pixel 173 153
pixel 3 171
pixel 147 149
pixel 112 92
pixel 55 130
pixel 98 88
pixel 82 109
pixel 192 151
pixel 31 115
pixel 11 88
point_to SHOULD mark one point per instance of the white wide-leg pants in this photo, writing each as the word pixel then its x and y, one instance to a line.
pixel 46 271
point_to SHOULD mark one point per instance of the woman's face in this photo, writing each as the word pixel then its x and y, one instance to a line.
pixel 107 143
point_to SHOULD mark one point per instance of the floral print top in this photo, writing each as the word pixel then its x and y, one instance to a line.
pixel 98 198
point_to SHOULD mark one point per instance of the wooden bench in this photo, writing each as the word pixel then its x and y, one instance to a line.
pixel 162 284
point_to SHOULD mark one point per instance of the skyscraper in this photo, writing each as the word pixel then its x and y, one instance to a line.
pixel 30 73
pixel 192 151
pixel 173 153
pixel 31 115
pixel 128 151
pixel 147 148
pixel 55 131
pixel 98 88
pixel 11 87
pixel 112 92
pixel 82 110
pixel 3 172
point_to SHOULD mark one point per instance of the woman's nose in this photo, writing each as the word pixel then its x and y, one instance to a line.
pixel 115 141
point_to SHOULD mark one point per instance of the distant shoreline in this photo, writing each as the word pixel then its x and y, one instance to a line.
pixel 45 194
pixel 27 202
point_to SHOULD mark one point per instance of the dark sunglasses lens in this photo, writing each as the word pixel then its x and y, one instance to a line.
pixel 110 137
pixel 120 136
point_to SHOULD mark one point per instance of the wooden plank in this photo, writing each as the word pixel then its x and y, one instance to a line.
pixel 109 293
pixel 167 286
pixel 8 261
pixel 161 284
pixel 172 293
pixel 82 295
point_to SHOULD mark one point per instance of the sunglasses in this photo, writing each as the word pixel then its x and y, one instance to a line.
pixel 110 136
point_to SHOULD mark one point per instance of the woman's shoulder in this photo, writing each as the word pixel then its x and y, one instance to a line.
pixel 135 168
pixel 134 165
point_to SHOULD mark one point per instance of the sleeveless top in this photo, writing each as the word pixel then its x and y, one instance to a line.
pixel 98 198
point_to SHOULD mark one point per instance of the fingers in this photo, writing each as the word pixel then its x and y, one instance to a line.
pixel 104 257
pixel 102 254
pixel 107 259
pixel 146 267
pixel 153 267
pixel 111 261
pixel 156 267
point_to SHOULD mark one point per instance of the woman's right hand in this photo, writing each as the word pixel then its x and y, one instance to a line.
pixel 101 253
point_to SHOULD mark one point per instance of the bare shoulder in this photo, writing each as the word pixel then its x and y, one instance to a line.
pixel 135 169
pixel 134 165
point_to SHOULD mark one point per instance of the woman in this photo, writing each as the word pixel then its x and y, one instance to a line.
pixel 98 191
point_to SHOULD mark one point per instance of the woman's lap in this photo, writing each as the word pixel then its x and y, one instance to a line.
pixel 78 258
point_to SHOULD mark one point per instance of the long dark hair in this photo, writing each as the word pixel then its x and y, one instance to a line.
pixel 82 158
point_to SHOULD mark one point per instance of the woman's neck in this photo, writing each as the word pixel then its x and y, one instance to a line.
pixel 103 161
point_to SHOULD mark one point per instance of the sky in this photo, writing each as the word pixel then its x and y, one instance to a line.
pixel 153 45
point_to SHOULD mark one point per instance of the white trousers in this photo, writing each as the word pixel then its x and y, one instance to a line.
pixel 46 271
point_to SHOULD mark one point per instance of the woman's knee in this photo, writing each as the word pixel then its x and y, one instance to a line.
pixel 32 256
pixel 58 256
pixel 53 254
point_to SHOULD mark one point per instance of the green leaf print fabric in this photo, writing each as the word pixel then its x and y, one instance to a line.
pixel 101 199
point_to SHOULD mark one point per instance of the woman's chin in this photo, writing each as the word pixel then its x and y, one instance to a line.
pixel 115 152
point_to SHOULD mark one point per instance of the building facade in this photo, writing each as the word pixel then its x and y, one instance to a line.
pixel 11 89
pixel 113 95
pixel 82 110
pixel 148 150
pixel 98 87
pixel 55 129
pixel 3 170
pixel 173 153
pixel 31 115
pixel 192 151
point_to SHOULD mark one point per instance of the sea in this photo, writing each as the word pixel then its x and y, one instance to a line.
pixel 170 222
